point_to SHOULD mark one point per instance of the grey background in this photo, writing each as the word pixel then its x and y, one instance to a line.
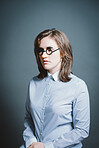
pixel 20 22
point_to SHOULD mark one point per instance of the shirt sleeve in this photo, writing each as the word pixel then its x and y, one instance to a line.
pixel 81 120
pixel 28 134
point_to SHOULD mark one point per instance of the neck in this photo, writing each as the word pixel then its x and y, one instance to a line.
pixel 52 72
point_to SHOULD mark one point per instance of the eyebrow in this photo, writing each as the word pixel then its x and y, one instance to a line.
pixel 46 47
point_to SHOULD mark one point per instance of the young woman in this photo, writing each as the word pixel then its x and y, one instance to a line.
pixel 57 107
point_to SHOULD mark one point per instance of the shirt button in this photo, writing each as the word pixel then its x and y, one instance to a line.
pixel 41 121
pixel 56 140
pixel 41 133
pixel 43 108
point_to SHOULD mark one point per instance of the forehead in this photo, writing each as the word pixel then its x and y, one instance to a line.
pixel 48 41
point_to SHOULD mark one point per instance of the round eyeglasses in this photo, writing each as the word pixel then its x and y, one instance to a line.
pixel 48 51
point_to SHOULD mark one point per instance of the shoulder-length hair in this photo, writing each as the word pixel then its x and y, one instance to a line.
pixel 65 52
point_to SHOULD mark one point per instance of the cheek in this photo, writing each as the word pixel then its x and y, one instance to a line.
pixel 56 58
pixel 40 59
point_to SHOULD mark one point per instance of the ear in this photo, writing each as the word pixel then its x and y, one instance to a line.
pixel 61 56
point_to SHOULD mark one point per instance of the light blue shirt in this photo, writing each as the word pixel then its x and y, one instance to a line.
pixel 57 113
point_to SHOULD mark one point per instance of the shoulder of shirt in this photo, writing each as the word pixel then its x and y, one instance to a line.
pixel 78 81
pixel 35 79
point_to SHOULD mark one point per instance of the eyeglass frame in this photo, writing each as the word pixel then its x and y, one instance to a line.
pixel 46 50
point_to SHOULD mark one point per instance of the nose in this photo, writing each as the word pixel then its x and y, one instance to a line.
pixel 44 55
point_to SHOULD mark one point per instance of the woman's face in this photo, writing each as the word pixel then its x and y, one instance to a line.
pixel 52 62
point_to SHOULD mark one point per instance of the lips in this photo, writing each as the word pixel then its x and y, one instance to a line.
pixel 45 61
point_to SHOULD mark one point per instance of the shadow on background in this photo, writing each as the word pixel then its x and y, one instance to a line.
pixel 21 21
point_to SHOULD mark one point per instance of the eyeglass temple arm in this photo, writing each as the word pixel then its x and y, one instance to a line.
pixel 55 50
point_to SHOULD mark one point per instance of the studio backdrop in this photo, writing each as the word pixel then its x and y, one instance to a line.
pixel 21 21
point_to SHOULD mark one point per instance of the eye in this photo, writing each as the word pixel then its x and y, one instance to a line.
pixel 49 50
pixel 40 50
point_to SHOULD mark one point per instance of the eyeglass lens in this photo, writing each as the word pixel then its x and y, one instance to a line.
pixel 48 50
pixel 41 50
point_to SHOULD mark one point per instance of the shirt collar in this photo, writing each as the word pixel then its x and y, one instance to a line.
pixel 54 76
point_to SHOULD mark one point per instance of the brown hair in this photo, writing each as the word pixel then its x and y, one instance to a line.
pixel 65 51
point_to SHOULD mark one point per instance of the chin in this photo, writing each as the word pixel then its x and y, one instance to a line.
pixel 46 67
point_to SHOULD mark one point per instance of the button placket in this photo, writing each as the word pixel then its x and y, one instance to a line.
pixel 46 97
